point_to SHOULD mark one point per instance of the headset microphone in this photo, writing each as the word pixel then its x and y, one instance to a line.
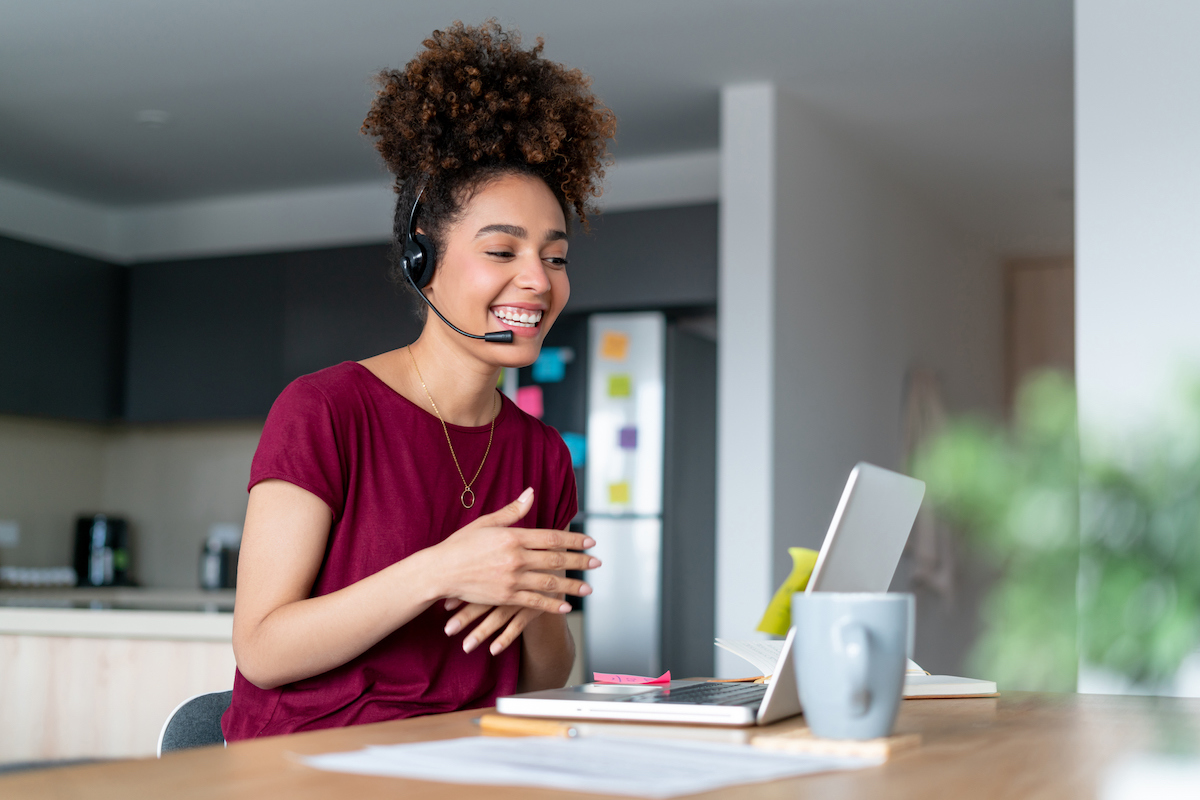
pixel 417 264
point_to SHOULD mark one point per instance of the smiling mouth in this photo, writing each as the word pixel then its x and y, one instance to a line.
pixel 518 317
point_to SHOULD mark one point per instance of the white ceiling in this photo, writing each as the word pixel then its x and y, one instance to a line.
pixel 966 102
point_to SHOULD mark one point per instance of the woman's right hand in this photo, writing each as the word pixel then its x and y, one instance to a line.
pixel 490 563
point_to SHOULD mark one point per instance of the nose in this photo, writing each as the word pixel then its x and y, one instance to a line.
pixel 532 275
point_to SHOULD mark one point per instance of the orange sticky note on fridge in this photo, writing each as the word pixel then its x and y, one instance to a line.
pixel 614 345
pixel 607 677
pixel 618 493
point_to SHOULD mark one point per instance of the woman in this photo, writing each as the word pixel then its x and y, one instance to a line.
pixel 407 524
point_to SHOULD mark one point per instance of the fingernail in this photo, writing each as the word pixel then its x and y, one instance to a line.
pixel 585 589
pixel 588 542
pixel 453 627
pixel 595 562
pixel 469 644
pixel 495 648
pixel 525 495
pixel 564 608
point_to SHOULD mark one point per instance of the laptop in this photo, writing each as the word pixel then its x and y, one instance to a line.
pixel 860 553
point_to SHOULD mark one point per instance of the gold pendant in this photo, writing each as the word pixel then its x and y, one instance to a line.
pixel 463 498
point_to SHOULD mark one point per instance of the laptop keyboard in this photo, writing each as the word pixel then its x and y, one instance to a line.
pixel 706 694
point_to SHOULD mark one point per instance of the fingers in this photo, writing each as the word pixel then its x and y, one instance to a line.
pixel 545 539
pixel 465 616
pixel 514 629
pixel 558 560
pixel 493 622
pixel 509 515
pixel 548 583
pixel 540 602
pixel 452 603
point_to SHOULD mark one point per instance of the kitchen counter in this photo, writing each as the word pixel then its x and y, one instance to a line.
pixel 122 613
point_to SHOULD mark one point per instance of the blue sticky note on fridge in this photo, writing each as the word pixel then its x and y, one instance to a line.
pixel 550 365
pixel 577 444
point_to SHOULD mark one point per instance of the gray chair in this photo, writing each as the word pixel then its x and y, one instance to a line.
pixel 196 722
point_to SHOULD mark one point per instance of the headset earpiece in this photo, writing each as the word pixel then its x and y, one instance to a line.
pixel 420 256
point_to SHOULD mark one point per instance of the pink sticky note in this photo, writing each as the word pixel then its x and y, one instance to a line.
pixel 606 677
pixel 529 400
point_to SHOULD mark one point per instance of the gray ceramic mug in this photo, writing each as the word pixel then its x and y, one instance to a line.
pixel 851 651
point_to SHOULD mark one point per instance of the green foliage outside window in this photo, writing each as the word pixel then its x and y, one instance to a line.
pixel 1098 557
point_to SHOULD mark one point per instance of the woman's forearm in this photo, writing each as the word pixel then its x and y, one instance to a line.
pixel 314 635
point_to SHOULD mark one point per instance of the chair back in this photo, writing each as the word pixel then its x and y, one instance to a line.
pixel 195 722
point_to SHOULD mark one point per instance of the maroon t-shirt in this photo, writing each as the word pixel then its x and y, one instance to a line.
pixel 382 466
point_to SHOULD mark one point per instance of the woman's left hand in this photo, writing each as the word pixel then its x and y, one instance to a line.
pixel 513 619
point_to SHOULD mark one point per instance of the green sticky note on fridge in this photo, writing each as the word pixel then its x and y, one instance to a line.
pixel 620 385
pixel 778 616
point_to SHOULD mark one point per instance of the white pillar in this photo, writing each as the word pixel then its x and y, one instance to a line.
pixel 745 380
pixel 1137 230
pixel 1137 207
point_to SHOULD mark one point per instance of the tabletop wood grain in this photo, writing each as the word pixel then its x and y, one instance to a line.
pixel 1018 745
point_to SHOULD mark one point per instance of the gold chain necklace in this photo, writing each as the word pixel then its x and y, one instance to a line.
pixel 466 492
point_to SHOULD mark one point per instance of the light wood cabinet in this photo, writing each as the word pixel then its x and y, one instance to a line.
pixel 80 683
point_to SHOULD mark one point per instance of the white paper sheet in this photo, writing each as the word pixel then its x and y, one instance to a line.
pixel 763 654
pixel 605 765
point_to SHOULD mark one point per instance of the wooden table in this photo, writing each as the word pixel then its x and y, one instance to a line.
pixel 1018 745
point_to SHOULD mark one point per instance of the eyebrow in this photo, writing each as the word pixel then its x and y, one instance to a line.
pixel 519 232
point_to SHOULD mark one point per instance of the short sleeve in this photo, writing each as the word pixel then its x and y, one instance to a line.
pixel 568 499
pixel 299 444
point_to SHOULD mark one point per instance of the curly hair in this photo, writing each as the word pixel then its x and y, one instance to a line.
pixel 472 107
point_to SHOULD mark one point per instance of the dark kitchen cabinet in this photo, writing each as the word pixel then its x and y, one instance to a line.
pixel 61 333
pixel 339 305
pixel 205 339
pixel 219 338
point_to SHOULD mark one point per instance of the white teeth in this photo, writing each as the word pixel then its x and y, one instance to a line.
pixel 521 319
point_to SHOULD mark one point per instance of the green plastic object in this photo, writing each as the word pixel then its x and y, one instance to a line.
pixel 778 617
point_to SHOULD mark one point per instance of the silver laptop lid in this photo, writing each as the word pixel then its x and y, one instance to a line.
pixel 868 531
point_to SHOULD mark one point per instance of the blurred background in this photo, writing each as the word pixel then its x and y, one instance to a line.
pixel 845 222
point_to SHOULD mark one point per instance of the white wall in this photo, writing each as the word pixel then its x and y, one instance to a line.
pixel 171 482
pixel 1137 157
pixel 867 285
pixel 49 473
pixel 834 283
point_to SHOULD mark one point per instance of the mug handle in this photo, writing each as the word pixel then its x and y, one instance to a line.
pixel 854 646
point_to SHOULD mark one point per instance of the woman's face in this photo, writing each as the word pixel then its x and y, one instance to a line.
pixel 502 266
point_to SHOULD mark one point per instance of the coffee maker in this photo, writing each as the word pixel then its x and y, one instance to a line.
pixel 219 557
pixel 102 551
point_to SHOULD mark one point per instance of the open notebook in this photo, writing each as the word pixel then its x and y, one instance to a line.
pixel 763 655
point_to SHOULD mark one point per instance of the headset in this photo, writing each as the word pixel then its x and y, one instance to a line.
pixel 417 263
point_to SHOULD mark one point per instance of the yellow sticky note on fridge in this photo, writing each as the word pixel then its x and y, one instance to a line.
pixel 620 385
pixel 614 345
pixel 618 493
pixel 778 616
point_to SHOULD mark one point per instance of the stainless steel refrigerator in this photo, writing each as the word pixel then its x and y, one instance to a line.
pixel 624 490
